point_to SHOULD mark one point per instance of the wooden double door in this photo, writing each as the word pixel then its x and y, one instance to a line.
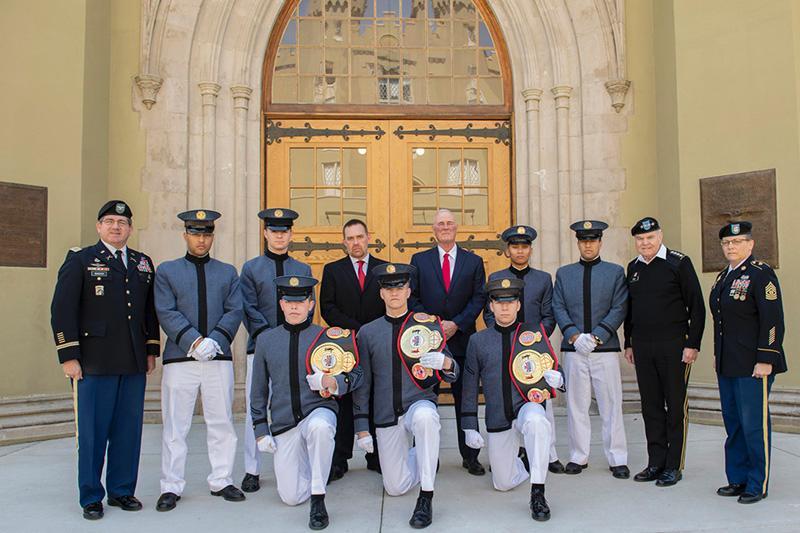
pixel 394 175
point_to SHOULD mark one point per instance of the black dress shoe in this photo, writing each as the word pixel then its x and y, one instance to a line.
pixel 251 483
pixel 746 497
pixel 523 456
pixel 620 472
pixel 93 511
pixel 374 465
pixel 669 478
pixel 556 467
pixel 540 511
pixel 575 468
pixel 167 502
pixel 230 493
pixel 422 516
pixel 650 473
pixel 731 489
pixel 474 467
pixel 126 503
pixel 318 516
pixel 337 472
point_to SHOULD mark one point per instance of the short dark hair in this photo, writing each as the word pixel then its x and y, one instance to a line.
pixel 354 222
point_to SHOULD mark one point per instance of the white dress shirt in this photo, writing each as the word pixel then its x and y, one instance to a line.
pixel 452 253
pixel 662 253
pixel 113 251
pixel 355 264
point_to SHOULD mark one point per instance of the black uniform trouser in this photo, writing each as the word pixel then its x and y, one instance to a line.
pixel 663 378
pixel 345 433
pixel 467 453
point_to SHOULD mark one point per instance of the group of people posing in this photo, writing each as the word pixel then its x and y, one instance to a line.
pixel 394 333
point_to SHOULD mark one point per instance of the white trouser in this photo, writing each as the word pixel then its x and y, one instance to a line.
pixel 532 429
pixel 179 385
pixel 304 455
pixel 404 466
pixel 598 372
pixel 252 457
pixel 548 411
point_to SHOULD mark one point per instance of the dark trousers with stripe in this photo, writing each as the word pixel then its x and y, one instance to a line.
pixel 663 378
pixel 109 418
pixel 345 432
pixel 748 448
pixel 467 453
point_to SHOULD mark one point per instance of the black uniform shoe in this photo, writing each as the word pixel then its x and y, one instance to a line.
pixel 523 456
pixel 540 511
pixel 337 471
pixel 167 502
pixel 650 473
pixel 423 512
pixel 731 489
pixel 374 465
pixel 93 511
pixel 620 472
pixel 126 503
pixel 556 467
pixel 669 478
pixel 474 467
pixel 230 493
pixel 575 468
pixel 318 516
pixel 251 483
pixel 746 497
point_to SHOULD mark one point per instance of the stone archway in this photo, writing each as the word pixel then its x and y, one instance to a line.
pixel 200 79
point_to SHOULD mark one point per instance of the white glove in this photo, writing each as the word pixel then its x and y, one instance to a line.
pixel 205 350
pixel 267 444
pixel 365 443
pixel 432 360
pixel 217 347
pixel 554 378
pixel 585 344
pixel 473 439
pixel 315 380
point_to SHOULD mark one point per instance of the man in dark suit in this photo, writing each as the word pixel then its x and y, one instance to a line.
pixel 350 297
pixel 448 282
pixel 106 332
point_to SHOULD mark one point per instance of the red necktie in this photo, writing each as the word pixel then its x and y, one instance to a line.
pixel 361 275
pixel 446 272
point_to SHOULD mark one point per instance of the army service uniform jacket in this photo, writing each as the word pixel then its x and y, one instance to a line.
pixel 103 314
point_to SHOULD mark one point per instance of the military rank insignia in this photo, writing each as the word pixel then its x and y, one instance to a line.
pixel 771 292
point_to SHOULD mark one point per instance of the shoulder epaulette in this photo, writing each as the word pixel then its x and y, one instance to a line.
pixel 75 249
pixel 677 254
pixel 759 264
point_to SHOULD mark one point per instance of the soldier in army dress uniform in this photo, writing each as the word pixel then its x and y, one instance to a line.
pixel 536 304
pixel 263 312
pixel 106 333
pixel 199 306
pixel 746 303
pixel 298 369
pixel 514 362
pixel 404 357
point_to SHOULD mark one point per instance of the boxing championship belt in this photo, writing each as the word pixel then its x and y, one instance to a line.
pixel 420 333
pixel 531 355
pixel 334 351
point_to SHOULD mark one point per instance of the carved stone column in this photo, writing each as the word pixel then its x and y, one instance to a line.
pixel 562 94
pixel 536 208
pixel 205 197
pixel 241 104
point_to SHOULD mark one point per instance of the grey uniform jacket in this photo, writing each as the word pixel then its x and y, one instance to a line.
pixel 537 298
pixel 279 380
pixel 261 309
pixel 197 297
pixel 394 390
pixel 590 297
pixel 487 361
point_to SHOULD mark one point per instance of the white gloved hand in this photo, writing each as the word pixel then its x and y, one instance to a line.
pixel 217 347
pixel 267 444
pixel 315 380
pixel 365 444
pixel 432 360
pixel 205 350
pixel 585 344
pixel 554 378
pixel 473 439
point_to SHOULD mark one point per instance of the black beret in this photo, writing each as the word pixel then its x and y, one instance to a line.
pixel 741 227
pixel 645 225
pixel 115 207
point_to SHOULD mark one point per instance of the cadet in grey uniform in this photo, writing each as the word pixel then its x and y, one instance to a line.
pixel 405 408
pixel 511 419
pixel 302 420
pixel 199 306
pixel 536 304
pixel 262 311
pixel 590 303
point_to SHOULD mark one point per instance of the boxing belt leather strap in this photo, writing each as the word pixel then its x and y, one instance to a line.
pixel 333 352
pixel 531 355
pixel 420 333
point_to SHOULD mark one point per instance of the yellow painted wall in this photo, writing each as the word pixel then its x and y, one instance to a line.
pixel 726 77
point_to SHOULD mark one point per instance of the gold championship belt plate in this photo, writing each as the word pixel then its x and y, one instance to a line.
pixel 531 356
pixel 333 352
pixel 420 333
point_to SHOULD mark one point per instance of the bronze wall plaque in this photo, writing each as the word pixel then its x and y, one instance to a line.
pixel 746 196
pixel 23 225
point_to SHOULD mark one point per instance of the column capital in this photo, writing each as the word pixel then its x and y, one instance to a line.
pixel 148 85
pixel 209 90
pixel 532 94
pixel 562 94
pixel 617 89
pixel 241 96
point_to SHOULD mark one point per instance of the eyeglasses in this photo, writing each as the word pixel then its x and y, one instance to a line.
pixel 732 242
pixel 108 222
